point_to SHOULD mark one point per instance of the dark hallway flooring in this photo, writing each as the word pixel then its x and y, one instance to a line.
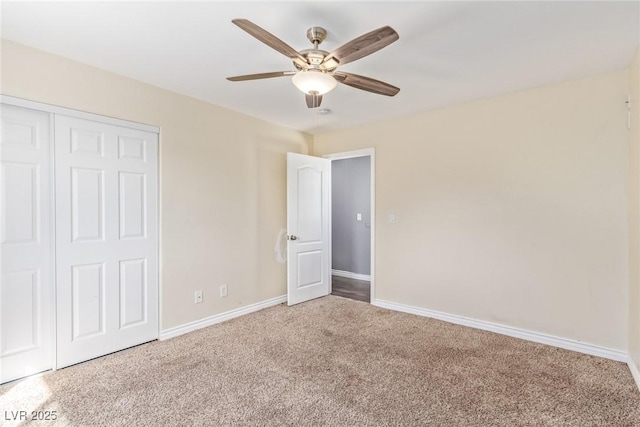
pixel 351 288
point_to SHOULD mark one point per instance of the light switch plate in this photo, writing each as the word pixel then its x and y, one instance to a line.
pixel 392 218
pixel 358 217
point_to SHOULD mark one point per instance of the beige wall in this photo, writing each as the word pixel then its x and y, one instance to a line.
pixel 634 213
pixel 223 187
pixel 510 210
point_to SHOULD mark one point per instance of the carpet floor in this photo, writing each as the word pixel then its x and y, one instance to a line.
pixel 334 362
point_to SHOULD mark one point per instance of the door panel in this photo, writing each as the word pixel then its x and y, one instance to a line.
pixel 87 201
pixel 87 142
pixel 309 268
pixel 88 302
pixel 26 285
pixel 132 205
pixel 20 307
pixel 133 290
pixel 20 199
pixel 106 238
pixel 308 184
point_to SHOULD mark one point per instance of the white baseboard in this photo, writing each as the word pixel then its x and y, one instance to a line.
pixel 634 371
pixel 541 338
pixel 350 275
pixel 218 318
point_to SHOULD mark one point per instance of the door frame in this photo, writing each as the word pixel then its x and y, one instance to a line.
pixel 53 110
pixel 371 153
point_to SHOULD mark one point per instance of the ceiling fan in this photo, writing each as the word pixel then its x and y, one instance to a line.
pixel 316 73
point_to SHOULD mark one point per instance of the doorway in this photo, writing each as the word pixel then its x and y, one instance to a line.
pixel 352 224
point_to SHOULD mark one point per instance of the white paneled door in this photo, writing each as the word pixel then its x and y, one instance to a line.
pixel 26 286
pixel 106 238
pixel 308 226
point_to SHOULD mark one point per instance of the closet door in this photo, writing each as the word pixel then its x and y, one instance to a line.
pixel 106 238
pixel 26 286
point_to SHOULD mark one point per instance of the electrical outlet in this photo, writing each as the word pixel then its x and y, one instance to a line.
pixel 358 217
pixel 392 218
pixel 223 291
pixel 198 297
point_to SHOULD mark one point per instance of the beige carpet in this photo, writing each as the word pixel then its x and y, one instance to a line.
pixel 335 362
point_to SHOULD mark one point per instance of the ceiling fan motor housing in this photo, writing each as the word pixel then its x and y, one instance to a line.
pixel 315 59
pixel 316 35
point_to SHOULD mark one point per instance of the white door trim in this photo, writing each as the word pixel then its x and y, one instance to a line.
pixel 54 109
pixel 371 152
pixel 52 243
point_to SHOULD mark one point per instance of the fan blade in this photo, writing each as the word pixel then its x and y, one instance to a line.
pixel 366 83
pixel 271 41
pixel 313 101
pixel 363 45
pixel 261 76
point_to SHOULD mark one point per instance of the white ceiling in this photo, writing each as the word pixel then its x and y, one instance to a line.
pixel 448 52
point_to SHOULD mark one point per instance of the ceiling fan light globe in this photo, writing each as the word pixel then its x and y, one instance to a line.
pixel 314 82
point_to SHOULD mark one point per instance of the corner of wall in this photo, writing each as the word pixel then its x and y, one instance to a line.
pixel 634 218
pixel 311 144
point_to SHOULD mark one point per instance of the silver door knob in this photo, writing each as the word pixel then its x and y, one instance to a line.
pixel 292 237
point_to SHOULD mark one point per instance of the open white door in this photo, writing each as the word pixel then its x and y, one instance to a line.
pixel 308 216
